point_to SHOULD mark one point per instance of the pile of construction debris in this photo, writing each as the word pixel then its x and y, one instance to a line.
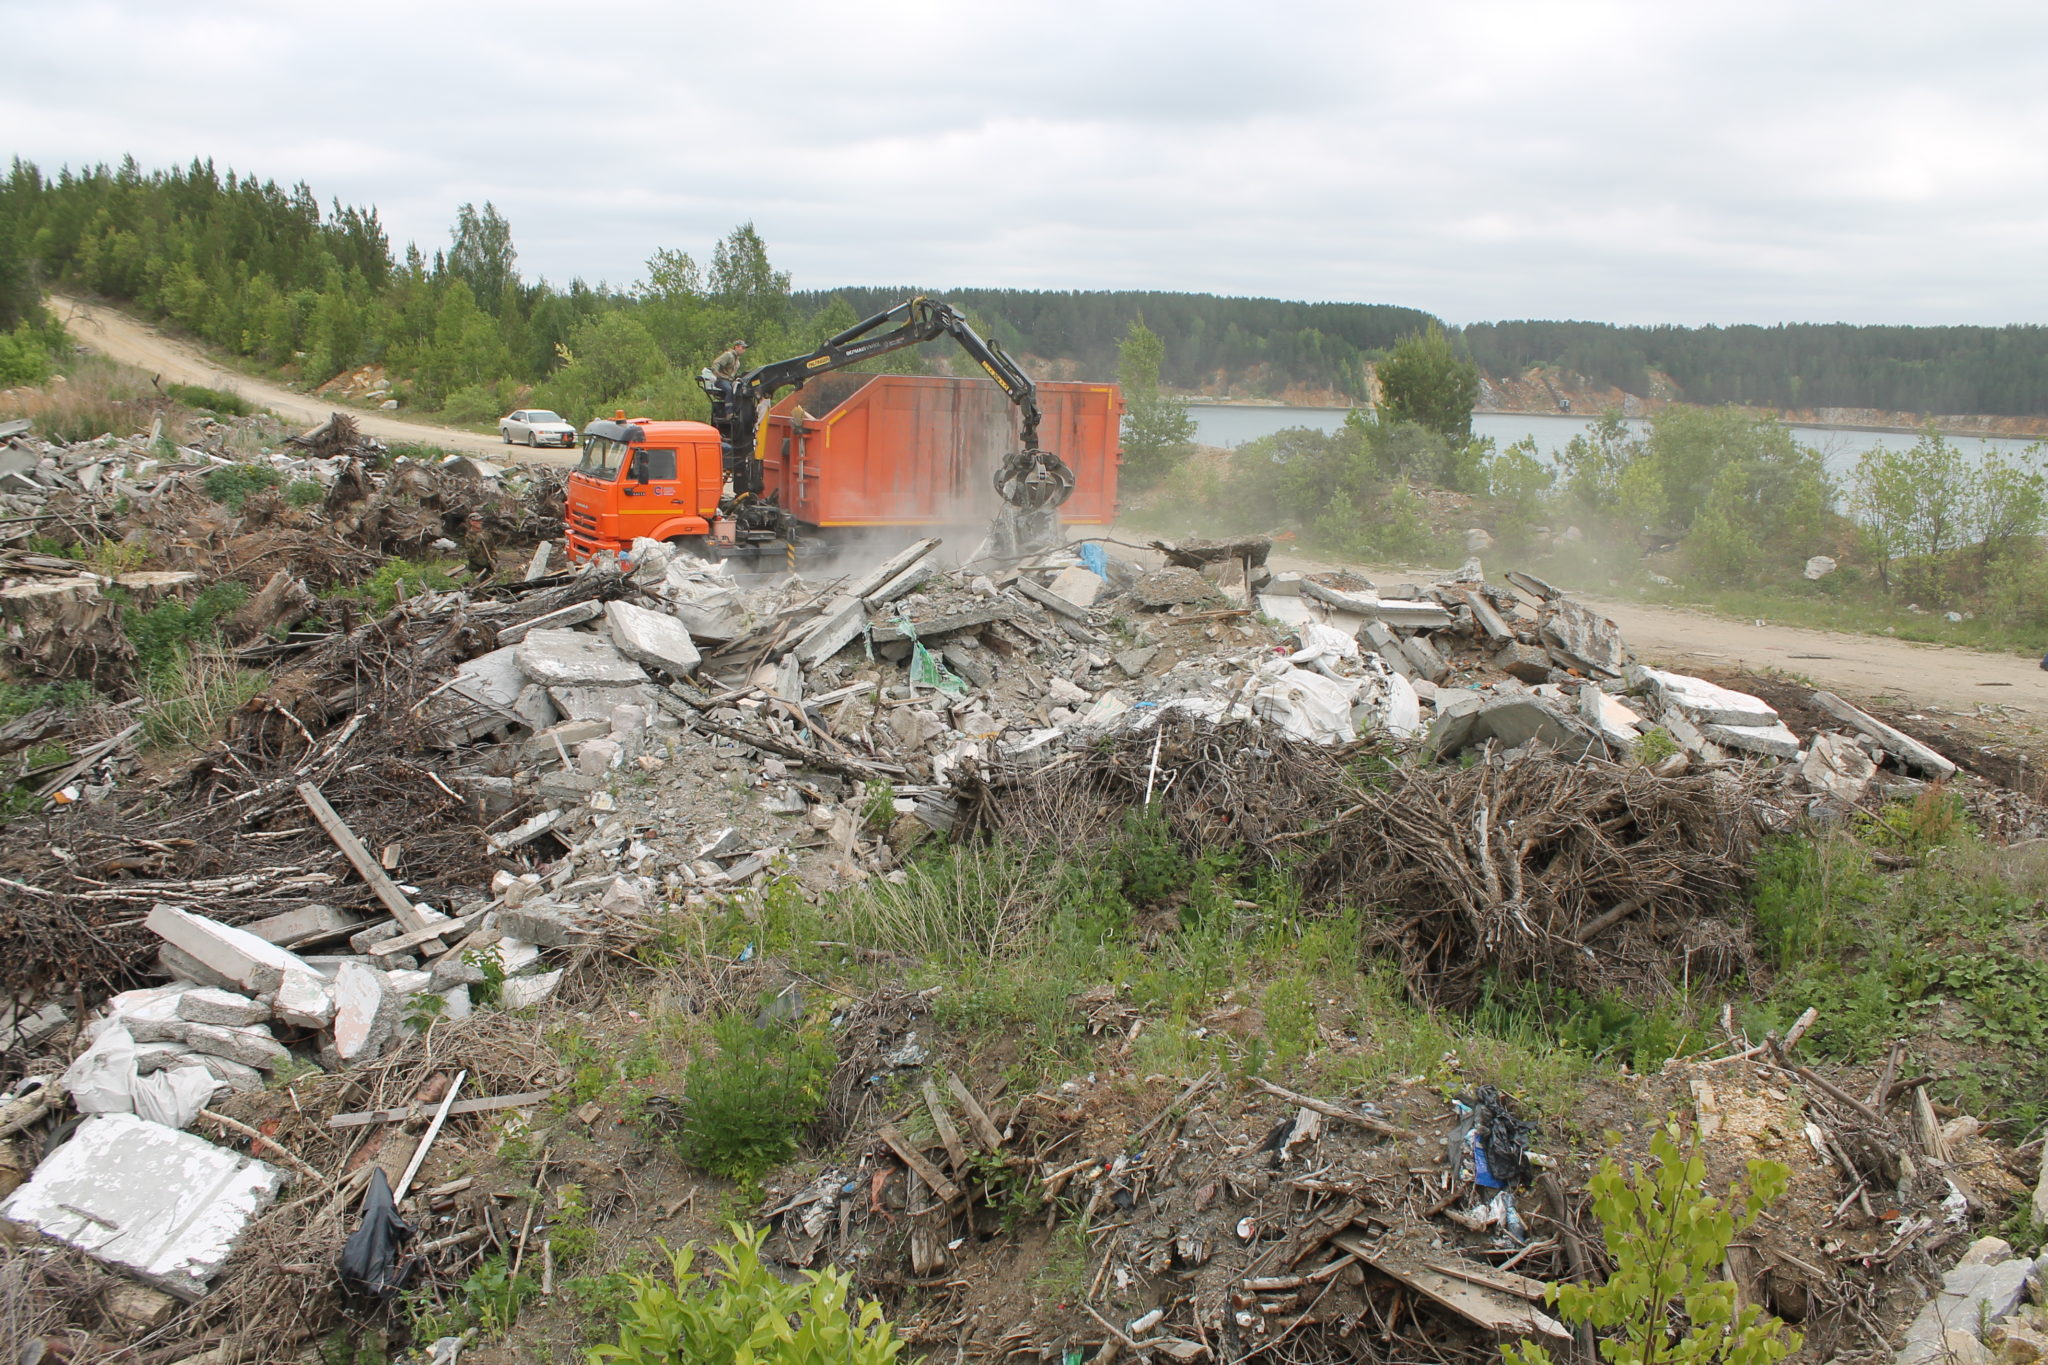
pixel 440 808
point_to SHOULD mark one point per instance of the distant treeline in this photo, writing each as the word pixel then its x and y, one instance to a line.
pixel 1211 342
pixel 1998 370
pixel 263 272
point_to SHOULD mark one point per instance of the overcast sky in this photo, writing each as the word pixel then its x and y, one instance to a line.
pixel 1628 162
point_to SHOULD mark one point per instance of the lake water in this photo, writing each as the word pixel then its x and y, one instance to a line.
pixel 1231 425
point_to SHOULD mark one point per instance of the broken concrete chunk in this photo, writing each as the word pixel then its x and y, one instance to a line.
pixel 209 1006
pixel 1529 663
pixel 302 1001
pixel 1916 757
pixel 596 703
pixel 494 678
pixel 164 1206
pixel 365 1012
pixel 524 992
pixel 1134 661
pixel 660 642
pixel 571 659
pixel 1837 766
pixel 545 923
pixel 251 1046
pixel 1610 716
pixel 1080 586
pixel 1585 640
pixel 230 1073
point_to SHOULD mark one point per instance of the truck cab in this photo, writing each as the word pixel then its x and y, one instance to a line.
pixel 661 480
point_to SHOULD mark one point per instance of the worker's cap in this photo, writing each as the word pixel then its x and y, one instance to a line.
pixel 739 345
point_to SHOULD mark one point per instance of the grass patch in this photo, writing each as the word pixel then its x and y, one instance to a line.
pixel 230 485
pixel 217 401
pixel 186 705
pixel 165 633
pixel 95 398
pixel 18 699
pixel 1950 954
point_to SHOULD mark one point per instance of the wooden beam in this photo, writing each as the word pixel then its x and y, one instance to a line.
pixel 396 901
pixel 943 1121
pixel 914 1159
pixel 412 1111
pixel 985 1131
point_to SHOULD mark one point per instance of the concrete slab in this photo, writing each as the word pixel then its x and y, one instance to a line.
pixel 651 638
pixel 596 703
pixel 1702 702
pixel 253 964
pixel 164 1206
pixel 1771 741
pixel 251 1046
pixel 307 924
pixel 575 614
pixel 209 1006
pixel 494 677
pixel 568 658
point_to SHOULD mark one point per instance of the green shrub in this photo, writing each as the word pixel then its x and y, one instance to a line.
pixel 165 632
pixel 26 355
pixel 217 401
pixel 746 1104
pixel 1810 895
pixel 379 592
pixel 1666 1302
pixel 304 493
pixel 743 1314
pixel 231 484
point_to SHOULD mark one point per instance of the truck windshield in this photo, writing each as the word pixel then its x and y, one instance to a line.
pixel 601 457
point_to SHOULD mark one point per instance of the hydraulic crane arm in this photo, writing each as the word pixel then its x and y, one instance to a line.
pixel 1031 478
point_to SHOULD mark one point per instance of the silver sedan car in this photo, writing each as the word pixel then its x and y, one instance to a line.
pixel 536 427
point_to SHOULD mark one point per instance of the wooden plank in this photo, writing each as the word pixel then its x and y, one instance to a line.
pixel 419 1153
pixel 1506 1281
pixel 1477 1304
pixel 366 866
pixel 943 1121
pixel 978 1122
pixel 440 928
pixel 912 1158
pixel 411 1111
pixel 1050 600
pixel 893 565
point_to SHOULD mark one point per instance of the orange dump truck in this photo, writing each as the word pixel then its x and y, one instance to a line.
pixel 845 456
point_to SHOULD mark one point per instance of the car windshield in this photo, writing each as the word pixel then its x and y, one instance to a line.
pixel 543 415
pixel 601 457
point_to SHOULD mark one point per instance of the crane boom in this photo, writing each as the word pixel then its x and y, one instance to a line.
pixel 1030 479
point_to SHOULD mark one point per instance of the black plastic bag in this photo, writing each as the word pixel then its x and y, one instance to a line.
pixel 1501 1139
pixel 369 1259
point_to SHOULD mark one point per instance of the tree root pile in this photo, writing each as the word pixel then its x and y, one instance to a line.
pixel 1590 874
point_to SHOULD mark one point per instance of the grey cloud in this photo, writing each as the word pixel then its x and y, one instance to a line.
pixel 1751 161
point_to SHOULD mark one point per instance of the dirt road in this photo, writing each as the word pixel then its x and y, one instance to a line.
pixel 121 337
pixel 1864 667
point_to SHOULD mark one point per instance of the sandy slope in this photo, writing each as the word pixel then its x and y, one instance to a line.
pixel 118 335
